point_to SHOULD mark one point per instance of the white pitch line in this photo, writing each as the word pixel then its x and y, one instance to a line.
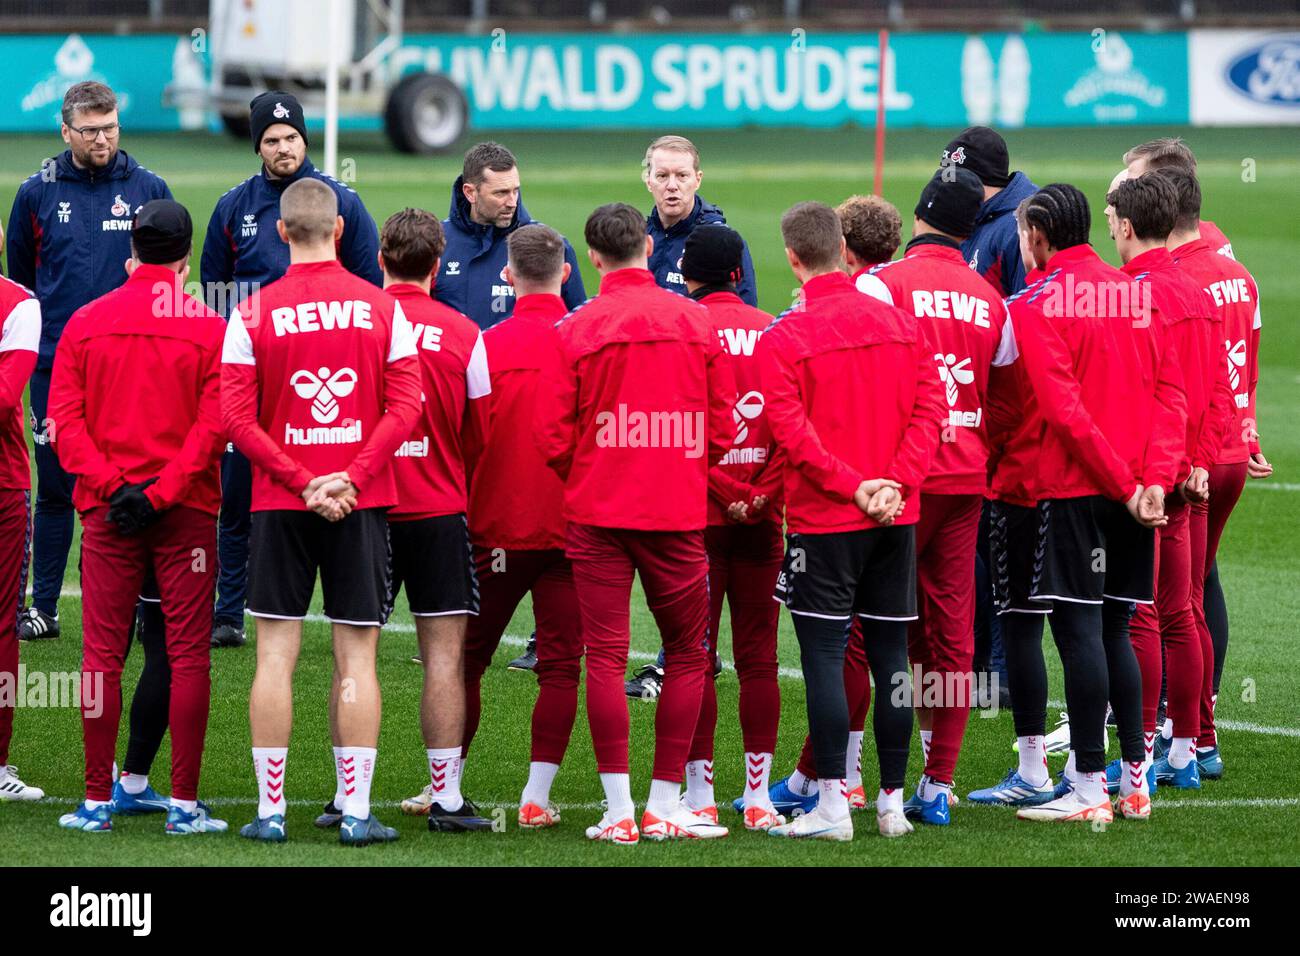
pixel 1242 803
pixel 791 673
pixel 1275 485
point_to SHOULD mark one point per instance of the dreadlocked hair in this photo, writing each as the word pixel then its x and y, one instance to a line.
pixel 1061 212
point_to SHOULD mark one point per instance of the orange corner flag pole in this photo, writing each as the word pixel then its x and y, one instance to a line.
pixel 883 44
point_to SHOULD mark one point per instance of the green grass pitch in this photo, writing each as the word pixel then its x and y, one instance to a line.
pixel 1248 177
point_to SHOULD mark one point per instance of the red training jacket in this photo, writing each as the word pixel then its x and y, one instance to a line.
pixel 637 407
pixel 1216 240
pixel 20 339
pixel 1109 392
pixel 136 395
pixel 1193 331
pixel 966 322
pixel 432 466
pixel 1235 297
pixel 515 501
pixel 319 375
pixel 750 466
pixel 851 395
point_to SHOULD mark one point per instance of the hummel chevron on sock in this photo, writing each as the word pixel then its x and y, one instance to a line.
pixel 358 771
pixel 833 802
pixel 854 762
pixel 444 777
pixel 618 795
pixel 1091 787
pixel 800 784
pixel 1132 777
pixel 268 765
pixel 1182 752
pixel 1033 760
pixel 699 784
pixel 540 777
pixel 664 796
pixel 926 737
pixel 134 783
pixel 338 779
pixel 758 767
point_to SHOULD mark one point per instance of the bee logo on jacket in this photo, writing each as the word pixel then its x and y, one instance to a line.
pixel 322 388
pixel 953 375
pixel 65 211
pixel 748 408
pixel 249 229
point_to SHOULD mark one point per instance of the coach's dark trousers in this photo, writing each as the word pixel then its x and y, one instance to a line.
pixel 55 518
pixel 232 538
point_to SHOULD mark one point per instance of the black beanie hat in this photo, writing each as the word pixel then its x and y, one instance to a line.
pixel 713 254
pixel 983 151
pixel 273 107
pixel 951 201
pixel 162 232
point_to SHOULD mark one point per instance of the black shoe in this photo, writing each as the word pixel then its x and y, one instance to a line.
pixel 647 684
pixel 717 668
pixel 36 625
pixel 228 635
pixel 526 661
pixel 330 818
pixel 465 819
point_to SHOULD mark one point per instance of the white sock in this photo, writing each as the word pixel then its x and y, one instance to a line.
pixel 95 804
pixel 758 767
pixel 926 736
pixel 854 762
pixel 268 766
pixel 833 802
pixel 618 795
pixel 664 797
pixel 358 770
pixel 889 800
pixel 1033 760
pixel 338 778
pixel 1167 731
pixel 1132 777
pixel 800 784
pixel 1148 748
pixel 699 784
pixel 134 783
pixel 1091 787
pixel 538 788
pixel 1181 752
pixel 928 789
pixel 444 775
pixel 189 806
pixel 1071 773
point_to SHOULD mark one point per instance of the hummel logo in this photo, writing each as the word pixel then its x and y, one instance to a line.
pixel 953 375
pixel 322 388
pixel 453 268
pixel 748 407
pixel 1236 360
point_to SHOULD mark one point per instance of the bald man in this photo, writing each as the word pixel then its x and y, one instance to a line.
pixel 319 385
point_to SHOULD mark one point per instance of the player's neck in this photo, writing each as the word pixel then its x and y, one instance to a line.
pixel 301 255
pixel 424 283
pixel 1183 237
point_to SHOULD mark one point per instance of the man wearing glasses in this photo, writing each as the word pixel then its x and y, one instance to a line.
pixel 69 239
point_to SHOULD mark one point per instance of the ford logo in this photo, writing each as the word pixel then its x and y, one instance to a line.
pixel 1270 73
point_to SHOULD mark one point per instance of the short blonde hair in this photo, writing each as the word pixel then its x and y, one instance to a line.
pixel 678 143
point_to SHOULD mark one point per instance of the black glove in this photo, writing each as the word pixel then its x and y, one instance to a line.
pixel 130 508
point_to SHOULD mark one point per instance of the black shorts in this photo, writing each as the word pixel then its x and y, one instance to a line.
pixel 870 573
pixel 1013 538
pixel 434 561
pixel 286 548
pixel 1090 549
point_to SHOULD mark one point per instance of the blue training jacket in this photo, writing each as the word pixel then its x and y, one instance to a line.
pixel 993 250
pixel 470 280
pixel 242 245
pixel 69 235
pixel 670 243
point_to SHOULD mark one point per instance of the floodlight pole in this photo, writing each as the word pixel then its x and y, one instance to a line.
pixel 332 93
